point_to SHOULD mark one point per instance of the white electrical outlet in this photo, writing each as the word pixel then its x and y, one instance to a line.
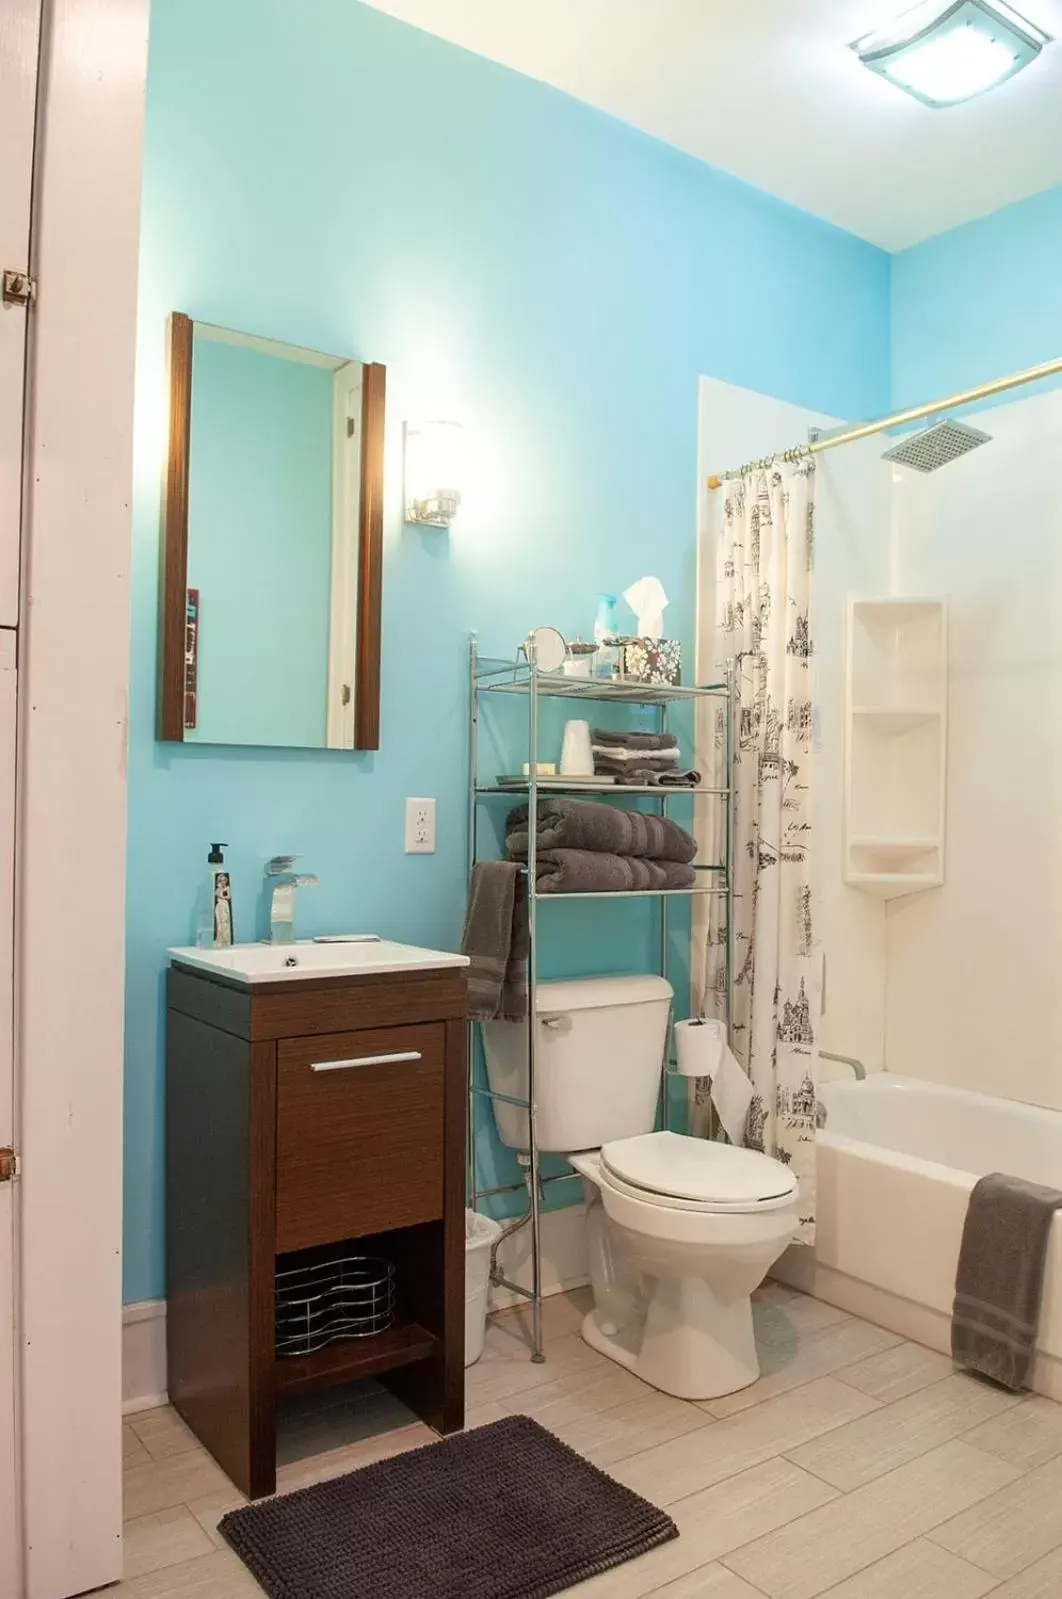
pixel 420 827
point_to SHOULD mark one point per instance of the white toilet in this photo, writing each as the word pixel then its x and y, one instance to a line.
pixel 679 1230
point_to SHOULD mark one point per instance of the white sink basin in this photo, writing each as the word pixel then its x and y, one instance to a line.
pixel 293 963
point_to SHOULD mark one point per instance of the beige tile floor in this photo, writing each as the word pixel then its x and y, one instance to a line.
pixel 860 1466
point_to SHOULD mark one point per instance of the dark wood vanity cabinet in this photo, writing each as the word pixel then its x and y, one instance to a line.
pixel 302 1116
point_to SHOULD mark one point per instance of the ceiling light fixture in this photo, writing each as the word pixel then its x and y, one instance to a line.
pixel 943 54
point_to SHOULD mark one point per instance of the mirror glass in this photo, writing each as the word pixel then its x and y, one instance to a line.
pixel 274 487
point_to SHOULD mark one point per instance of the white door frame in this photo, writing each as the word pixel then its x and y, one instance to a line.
pixel 20 22
pixel 74 676
pixel 10 1464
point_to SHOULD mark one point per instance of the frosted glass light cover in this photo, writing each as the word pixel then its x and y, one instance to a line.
pixel 953 67
pixel 433 472
pixel 943 54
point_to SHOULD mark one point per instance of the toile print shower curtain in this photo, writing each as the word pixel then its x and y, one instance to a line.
pixel 762 595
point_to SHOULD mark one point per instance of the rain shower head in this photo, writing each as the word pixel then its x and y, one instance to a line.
pixel 936 445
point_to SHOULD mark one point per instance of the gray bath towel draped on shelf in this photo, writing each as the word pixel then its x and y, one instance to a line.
pixel 496 939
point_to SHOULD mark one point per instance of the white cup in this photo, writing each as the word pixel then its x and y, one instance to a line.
pixel 577 754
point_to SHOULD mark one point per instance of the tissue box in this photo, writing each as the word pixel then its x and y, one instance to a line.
pixel 653 660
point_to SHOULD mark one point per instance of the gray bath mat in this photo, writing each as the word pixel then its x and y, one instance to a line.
pixel 503 1512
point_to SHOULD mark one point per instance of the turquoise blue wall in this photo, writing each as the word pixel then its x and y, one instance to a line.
pixel 317 172
pixel 260 543
pixel 978 302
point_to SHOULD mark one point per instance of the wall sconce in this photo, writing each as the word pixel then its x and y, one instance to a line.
pixel 433 472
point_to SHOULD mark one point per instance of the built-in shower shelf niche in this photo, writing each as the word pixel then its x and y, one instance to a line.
pixel 896 699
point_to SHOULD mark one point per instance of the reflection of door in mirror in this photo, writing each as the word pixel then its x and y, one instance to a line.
pixel 280 534
pixel 346 495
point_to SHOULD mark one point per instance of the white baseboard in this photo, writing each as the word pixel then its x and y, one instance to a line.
pixel 143 1356
pixel 563 1267
pixel 563 1256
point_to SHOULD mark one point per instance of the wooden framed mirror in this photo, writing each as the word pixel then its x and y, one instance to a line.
pixel 272 544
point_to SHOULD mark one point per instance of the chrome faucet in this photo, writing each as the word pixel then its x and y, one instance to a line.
pixel 282 904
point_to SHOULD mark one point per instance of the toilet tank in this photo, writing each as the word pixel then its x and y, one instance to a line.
pixel 600 1054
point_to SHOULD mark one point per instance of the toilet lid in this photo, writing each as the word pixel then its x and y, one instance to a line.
pixel 687 1168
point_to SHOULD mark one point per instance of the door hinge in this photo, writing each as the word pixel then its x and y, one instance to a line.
pixel 8 1165
pixel 19 288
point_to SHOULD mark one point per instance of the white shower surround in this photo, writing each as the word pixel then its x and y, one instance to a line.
pixel 972 969
pixel 960 980
pixel 897 1160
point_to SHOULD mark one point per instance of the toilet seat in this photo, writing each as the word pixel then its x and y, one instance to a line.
pixel 678 1172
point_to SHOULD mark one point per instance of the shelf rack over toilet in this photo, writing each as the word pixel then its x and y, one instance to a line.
pixel 489 677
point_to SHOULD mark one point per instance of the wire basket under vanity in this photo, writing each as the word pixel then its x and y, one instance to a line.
pixel 348 1296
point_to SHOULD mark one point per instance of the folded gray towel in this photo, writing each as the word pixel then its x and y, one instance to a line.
pixel 625 756
pixel 627 771
pixel 583 871
pixel 496 942
pixel 586 825
pixel 675 777
pixel 1000 1277
pixel 634 741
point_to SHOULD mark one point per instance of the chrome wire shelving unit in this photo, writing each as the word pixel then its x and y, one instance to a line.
pixel 490 677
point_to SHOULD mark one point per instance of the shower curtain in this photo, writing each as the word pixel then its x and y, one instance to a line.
pixel 760 596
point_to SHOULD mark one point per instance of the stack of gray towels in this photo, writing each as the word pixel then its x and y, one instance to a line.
pixel 649 758
pixel 584 847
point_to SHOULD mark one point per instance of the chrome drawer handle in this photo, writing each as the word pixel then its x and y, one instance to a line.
pixel 365 1060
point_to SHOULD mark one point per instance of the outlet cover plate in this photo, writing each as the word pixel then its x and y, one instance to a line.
pixel 420 827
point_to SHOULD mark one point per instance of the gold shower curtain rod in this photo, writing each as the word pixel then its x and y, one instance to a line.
pixel 866 430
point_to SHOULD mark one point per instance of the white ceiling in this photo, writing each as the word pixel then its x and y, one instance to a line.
pixel 768 90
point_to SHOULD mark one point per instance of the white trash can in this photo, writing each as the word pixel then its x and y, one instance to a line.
pixel 481 1234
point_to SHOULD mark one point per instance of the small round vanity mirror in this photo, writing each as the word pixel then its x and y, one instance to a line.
pixel 546 648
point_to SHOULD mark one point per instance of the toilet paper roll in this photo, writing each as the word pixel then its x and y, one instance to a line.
pixel 702 1050
pixel 732 1096
pixel 699 1047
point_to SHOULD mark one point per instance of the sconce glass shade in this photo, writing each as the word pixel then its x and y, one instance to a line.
pixel 434 472
pixel 945 53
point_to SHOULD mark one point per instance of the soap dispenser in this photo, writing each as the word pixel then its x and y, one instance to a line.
pixel 221 923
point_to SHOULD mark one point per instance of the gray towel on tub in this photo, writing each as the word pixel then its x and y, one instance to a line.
pixel 496 942
pixel 1000 1277
pixel 585 871
pixel 585 825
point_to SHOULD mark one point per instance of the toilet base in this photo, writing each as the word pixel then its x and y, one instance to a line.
pixel 692 1345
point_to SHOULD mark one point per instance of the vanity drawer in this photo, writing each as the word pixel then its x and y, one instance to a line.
pixel 359 1133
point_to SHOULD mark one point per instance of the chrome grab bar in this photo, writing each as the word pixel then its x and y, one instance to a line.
pixel 846 1060
pixel 365 1060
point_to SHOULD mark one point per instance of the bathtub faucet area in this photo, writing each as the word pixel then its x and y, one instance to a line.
pixel 846 1060
pixel 821 1113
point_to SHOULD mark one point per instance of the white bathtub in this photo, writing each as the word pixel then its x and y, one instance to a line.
pixel 896 1162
